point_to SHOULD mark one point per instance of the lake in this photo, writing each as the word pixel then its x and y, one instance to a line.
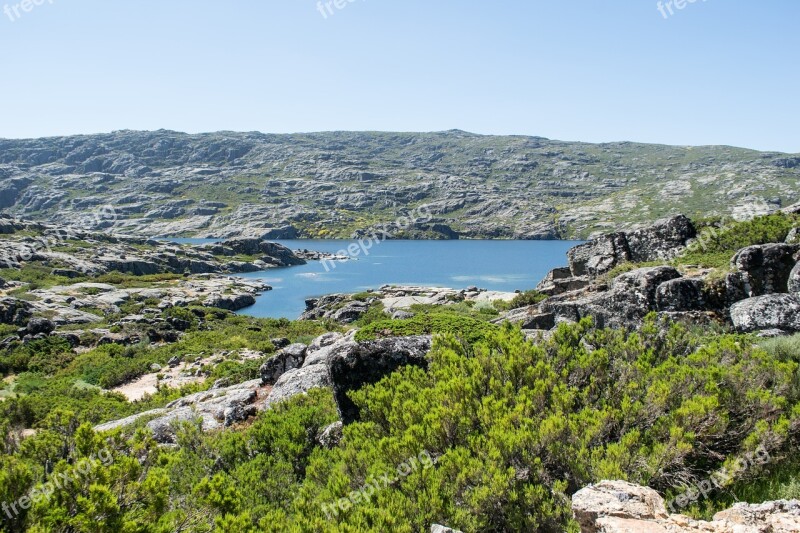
pixel 494 265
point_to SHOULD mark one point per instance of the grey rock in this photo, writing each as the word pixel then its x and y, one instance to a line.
pixel 283 361
pixel 662 240
pixel 230 302
pixel 683 294
pixel 331 436
pixel 38 326
pixel 368 362
pixel 794 280
pixel 299 381
pixel 281 342
pixel 436 528
pixel 771 311
pixel 765 268
pixel 14 312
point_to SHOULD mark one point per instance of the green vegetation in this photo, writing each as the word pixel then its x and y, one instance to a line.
pixel 513 427
pixel 719 240
pixel 523 299
pixel 427 322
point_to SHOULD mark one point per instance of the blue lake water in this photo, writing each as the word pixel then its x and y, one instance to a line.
pixel 494 265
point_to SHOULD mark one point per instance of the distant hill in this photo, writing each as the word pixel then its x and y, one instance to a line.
pixel 342 183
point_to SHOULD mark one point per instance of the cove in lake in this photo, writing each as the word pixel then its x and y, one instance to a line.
pixel 493 265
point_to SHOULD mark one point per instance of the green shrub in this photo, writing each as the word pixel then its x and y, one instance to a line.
pixel 466 328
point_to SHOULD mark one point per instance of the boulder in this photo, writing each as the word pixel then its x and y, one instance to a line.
pixel 663 240
pixel 38 326
pixel 299 381
pixel 436 528
pixel 631 297
pixel 14 312
pixel 682 294
pixel 230 302
pixel 622 507
pixel 765 268
pixel 615 499
pixel 560 280
pixel 366 363
pixel 794 280
pixel 771 311
pixel 331 436
pixel 599 256
pixel 284 360
pixel 212 409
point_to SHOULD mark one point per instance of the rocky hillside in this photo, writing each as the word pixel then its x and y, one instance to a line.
pixel 225 184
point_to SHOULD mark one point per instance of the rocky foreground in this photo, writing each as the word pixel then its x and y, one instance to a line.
pixel 617 279
pixel 621 507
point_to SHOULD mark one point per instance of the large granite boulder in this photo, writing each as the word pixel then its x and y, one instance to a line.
pixel 299 381
pixel 212 410
pixel 230 302
pixel 598 256
pixel 682 294
pixel 663 240
pixel 284 360
pixel 765 268
pixel 560 280
pixel 768 312
pixel 630 298
pixel 794 280
pixel 366 363
pixel 622 507
pixel 14 312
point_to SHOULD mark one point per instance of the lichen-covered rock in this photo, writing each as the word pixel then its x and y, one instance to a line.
pixel 284 360
pixel 598 256
pixel 368 362
pixel 299 381
pixel 622 507
pixel 662 240
pixel 331 435
pixel 771 311
pixel 794 280
pixel 765 268
pixel 14 312
pixel 631 297
pixel 682 294
pixel 212 409
pixel 436 528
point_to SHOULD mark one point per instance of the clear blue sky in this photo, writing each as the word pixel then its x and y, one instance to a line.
pixel 716 72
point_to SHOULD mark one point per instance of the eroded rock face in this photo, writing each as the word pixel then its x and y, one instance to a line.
pixel 368 362
pixel 13 311
pixel 622 507
pixel 213 409
pixel 765 268
pixel 768 312
pixel 662 240
pixel 630 298
pixel 683 294
pixel 283 361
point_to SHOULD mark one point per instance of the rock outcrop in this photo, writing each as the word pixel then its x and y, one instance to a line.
pixel 212 409
pixel 368 362
pixel 768 312
pixel 622 507
pixel 662 240
pixel 764 269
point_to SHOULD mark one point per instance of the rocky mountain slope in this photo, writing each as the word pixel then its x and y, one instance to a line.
pixel 339 184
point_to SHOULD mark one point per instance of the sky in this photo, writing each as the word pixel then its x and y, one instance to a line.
pixel 713 72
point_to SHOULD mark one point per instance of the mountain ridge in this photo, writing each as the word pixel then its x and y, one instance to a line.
pixel 345 184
